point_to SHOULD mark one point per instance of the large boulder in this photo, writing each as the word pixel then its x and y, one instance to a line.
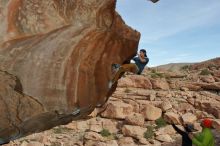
pixel 126 141
pixel 210 106
pixel 216 124
pixel 208 79
pixel 172 117
pixel 62 53
pixel 93 136
pixel 166 105
pixel 133 131
pixel 164 138
pixel 15 107
pixel 160 84
pixel 189 118
pixel 117 110
pixel 151 112
pixel 71 65
pixel 165 130
pixel 208 86
pixel 135 81
pixel 98 124
pixel 135 119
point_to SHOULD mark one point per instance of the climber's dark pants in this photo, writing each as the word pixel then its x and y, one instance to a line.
pixel 125 68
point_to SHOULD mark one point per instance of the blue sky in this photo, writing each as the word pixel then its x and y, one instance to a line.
pixel 175 31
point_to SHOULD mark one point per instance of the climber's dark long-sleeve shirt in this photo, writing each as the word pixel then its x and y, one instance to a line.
pixel 186 141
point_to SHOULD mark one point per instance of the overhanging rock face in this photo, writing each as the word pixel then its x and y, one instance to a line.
pixel 61 51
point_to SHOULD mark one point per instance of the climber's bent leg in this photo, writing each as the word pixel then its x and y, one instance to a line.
pixel 125 68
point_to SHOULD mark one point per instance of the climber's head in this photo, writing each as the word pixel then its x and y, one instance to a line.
pixel 189 128
pixel 143 53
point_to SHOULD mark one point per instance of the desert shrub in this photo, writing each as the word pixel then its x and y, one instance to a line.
pixel 160 122
pixel 60 130
pixel 127 90
pixel 149 133
pixel 212 65
pixel 185 67
pixel 105 133
pixel 153 71
pixel 205 72
pixel 155 74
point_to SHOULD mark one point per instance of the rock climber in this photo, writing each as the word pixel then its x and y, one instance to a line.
pixel 140 62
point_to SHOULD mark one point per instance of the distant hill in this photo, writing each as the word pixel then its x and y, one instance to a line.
pixel 199 65
pixel 172 66
pixel 207 64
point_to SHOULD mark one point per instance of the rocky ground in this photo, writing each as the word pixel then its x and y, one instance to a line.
pixel 139 112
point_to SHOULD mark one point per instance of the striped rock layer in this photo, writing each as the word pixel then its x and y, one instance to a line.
pixel 60 53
